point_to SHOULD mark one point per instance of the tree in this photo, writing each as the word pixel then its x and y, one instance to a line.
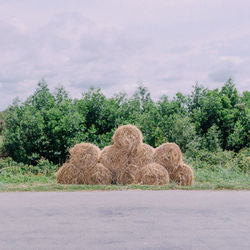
pixel 181 131
pixel 48 123
pixel 45 125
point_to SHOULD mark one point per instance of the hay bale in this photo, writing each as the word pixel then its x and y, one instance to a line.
pixel 84 155
pixel 113 159
pixel 154 174
pixel 183 175
pixel 142 155
pixel 127 138
pixel 97 175
pixel 129 174
pixel 168 155
pixel 70 174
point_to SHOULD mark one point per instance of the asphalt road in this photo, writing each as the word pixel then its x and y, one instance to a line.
pixel 125 220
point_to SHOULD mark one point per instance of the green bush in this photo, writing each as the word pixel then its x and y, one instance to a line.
pixel 211 140
pixel 45 125
pixel 181 131
pixel 43 167
pixel 238 162
pixel 48 123
pixel 243 160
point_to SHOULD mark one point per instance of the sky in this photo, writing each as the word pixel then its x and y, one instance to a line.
pixel 116 45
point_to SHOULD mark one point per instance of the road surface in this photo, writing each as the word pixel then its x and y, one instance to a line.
pixel 125 220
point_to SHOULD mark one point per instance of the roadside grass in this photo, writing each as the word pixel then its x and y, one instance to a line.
pixel 204 180
pixel 213 171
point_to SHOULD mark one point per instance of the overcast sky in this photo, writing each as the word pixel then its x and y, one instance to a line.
pixel 168 45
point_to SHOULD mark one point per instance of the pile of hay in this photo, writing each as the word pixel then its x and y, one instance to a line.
pixel 127 138
pixel 127 161
pixel 113 159
pixel 84 155
pixel 123 154
pixel 83 167
pixel 69 174
pixel 169 156
pixel 154 174
pixel 98 175
pixel 142 155
pixel 129 174
pixel 183 175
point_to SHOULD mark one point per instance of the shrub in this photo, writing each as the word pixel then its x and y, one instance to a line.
pixel 43 167
pixel 242 160
pixel 46 125
pixel 181 131
pixel 211 140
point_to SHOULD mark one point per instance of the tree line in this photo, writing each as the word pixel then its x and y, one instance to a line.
pixel 48 123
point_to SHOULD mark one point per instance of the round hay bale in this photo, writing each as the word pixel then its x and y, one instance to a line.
pixel 84 155
pixel 70 174
pixel 127 137
pixel 142 155
pixel 129 174
pixel 168 155
pixel 113 159
pixel 97 175
pixel 183 175
pixel 154 174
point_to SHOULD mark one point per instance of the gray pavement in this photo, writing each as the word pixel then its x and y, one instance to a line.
pixel 125 220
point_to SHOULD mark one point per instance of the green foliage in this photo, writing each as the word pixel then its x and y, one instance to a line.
pixel 211 140
pixel 8 167
pixel 237 138
pixel 181 131
pixel 243 160
pixel 212 170
pixel 221 160
pixel 2 123
pixel 99 117
pixel 48 123
pixel 226 110
pixel 45 125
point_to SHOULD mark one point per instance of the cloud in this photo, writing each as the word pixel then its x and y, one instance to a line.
pixel 221 75
pixel 167 46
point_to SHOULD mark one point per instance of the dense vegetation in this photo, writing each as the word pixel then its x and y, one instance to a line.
pixel 213 170
pixel 48 123
pixel 211 126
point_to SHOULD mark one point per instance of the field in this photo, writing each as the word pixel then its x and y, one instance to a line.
pixel 208 176
pixel 204 181
pixel 211 128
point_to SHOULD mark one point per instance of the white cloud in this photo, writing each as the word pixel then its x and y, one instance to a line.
pixel 167 45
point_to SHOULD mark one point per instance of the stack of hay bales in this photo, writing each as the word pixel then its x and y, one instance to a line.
pixel 169 155
pixel 83 167
pixel 127 161
pixel 130 160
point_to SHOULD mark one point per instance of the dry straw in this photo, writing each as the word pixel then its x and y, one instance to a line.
pixel 113 159
pixel 168 155
pixel 183 175
pixel 129 174
pixel 70 174
pixel 128 161
pixel 142 155
pixel 97 175
pixel 127 138
pixel 84 155
pixel 154 174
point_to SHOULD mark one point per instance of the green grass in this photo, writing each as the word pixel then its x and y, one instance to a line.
pixel 204 180
pixel 213 171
